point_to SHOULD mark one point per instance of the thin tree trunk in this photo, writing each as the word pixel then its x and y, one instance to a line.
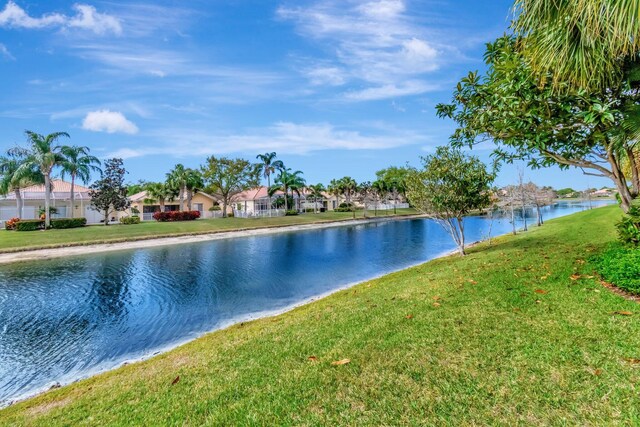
pixel 189 199
pixel 47 200
pixel 19 202
pixel 462 243
pixel 268 191
pixel 182 188
pixel 224 207
pixel 513 220
pixel 634 172
pixel 106 217
pixel 161 203
pixel 286 200
pixel 73 196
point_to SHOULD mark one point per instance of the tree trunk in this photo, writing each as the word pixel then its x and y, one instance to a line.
pixel 538 216
pixel 286 200
pixel 19 202
pixel 47 199
pixel 524 217
pixel 635 176
pixel 161 203
pixel 621 182
pixel 189 199
pixel 268 192
pixel 513 220
pixel 224 207
pixel 106 217
pixel 73 196
pixel 462 243
pixel 182 188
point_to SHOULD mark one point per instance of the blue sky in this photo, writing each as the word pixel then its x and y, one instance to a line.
pixel 334 87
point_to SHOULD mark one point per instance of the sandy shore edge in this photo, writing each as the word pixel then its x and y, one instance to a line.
pixel 60 252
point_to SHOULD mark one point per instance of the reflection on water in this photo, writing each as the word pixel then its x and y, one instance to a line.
pixel 65 318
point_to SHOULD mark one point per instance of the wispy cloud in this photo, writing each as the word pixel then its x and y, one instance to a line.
pixel 375 43
pixel 4 52
pixel 86 18
pixel 287 137
pixel 108 121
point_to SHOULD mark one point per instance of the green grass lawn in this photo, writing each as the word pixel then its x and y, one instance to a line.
pixel 16 241
pixel 516 333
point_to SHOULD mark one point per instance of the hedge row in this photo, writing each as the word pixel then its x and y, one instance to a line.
pixel 58 223
pixel 176 216
pixel 129 220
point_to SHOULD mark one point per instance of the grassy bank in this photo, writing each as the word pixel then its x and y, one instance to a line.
pixel 11 241
pixel 514 333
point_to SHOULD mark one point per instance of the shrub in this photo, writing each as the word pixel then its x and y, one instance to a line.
pixel 11 224
pixel 345 207
pixel 291 212
pixel 62 223
pixel 621 266
pixel 176 216
pixel 52 211
pixel 29 225
pixel 629 227
pixel 129 220
pixel 215 208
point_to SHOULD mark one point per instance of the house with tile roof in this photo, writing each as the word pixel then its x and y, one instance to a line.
pixel 33 202
pixel 145 207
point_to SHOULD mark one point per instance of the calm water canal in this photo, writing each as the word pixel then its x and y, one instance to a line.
pixel 64 319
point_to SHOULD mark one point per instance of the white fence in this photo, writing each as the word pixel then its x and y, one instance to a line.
pixel 387 206
pixel 259 214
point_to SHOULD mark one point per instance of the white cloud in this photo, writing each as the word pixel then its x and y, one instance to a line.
pixel 89 19
pixel 5 52
pixel 86 17
pixel 289 137
pixel 375 44
pixel 108 121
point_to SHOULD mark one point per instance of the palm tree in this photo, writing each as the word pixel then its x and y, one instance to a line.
pixel 44 155
pixel 335 188
pixel 349 187
pixel 379 190
pixel 13 178
pixel 78 163
pixel 193 184
pixel 316 193
pixel 177 178
pixel 583 42
pixel 288 180
pixel 160 192
pixel 269 166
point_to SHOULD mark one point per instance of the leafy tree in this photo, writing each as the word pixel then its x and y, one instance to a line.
pixel 226 177
pixel 43 154
pixel 316 193
pixel 566 192
pixel 365 192
pixel 160 192
pixel 450 186
pixel 288 180
pixel 349 187
pixel 595 132
pixel 13 177
pixel 394 179
pixel 580 42
pixel 268 166
pixel 109 193
pixel 77 163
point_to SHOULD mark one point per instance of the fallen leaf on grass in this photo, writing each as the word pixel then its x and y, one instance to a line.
pixel 580 261
pixel 409 316
pixel 312 358
pixel 175 381
pixel 544 277
pixel 597 372
pixel 436 298
pixel 341 362
pixel 436 304
pixel 540 291
pixel 538 301
pixel 623 313
pixel 575 276
pixel 473 282
pixel 632 360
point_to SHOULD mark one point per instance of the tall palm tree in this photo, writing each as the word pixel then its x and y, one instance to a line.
pixel 44 154
pixel 379 190
pixel 316 193
pixel 335 188
pixel 288 181
pixel 160 192
pixel 177 178
pixel 78 163
pixel 13 178
pixel 583 42
pixel 349 187
pixel 268 166
pixel 193 184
